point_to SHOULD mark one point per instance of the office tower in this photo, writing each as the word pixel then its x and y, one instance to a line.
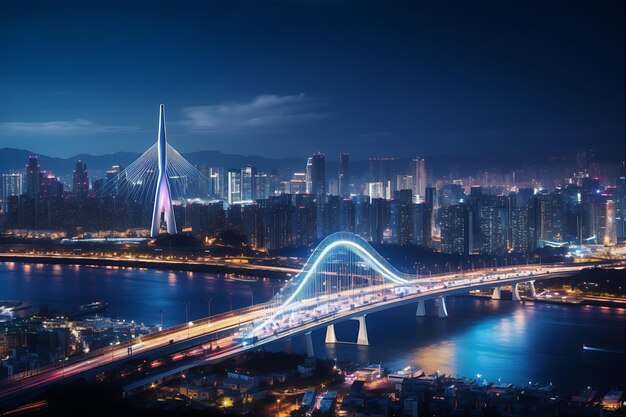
pixel 375 190
pixel 401 221
pixel 385 171
pixel 493 227
pixel 551 218
pixel 80 185
pixel 421 224
pixel 610 230
pixel 418 172
pixel 456 229
pixel 234 186
pixel 11 186
pixel 344 175
pixel 248 183
pixel 520 239
pixel 163 211
pixel 33 177
pixel 298 184
pixel 347 215
pixel 50 186
pixel 378 223
pixel 316 175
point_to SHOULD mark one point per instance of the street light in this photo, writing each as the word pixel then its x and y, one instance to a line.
pixel 278 407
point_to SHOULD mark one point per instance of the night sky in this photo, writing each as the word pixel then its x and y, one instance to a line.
pixel 290 78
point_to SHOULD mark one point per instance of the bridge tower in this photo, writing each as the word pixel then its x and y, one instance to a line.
pixel 163 209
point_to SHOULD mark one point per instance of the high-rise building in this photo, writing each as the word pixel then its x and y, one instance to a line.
pixel 80 184
pixel 493 227
pixel 33 177
pixel 248 183
pixel 551 217
pixel 344 175
pixel 234 186
pixel 50 186
pixel 418 172
pixel 610 230
pixel 520 231
pixel 456 229
pixel 11 185
pixel 384 170
pixel 316 175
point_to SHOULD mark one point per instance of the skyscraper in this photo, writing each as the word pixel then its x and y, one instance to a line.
pixel 248 183
pixel 384 170
pixel 234 186
pixel 33 177
pixel 456 229
pixel 316 175
pixel 80 180
pixel 418 171
pixel 344 175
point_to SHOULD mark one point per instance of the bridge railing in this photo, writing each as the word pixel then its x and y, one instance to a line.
pixel 129 342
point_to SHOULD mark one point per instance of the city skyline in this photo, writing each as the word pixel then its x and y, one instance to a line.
pixel 483 80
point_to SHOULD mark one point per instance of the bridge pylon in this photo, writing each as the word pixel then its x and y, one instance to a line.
pixel 443 310
pixel 515 292
pixel 421 309
pixel 497 294
pixel 331 337
pixel 362 338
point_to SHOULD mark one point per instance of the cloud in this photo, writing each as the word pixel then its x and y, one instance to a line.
pixel 54 128
pixel 262 112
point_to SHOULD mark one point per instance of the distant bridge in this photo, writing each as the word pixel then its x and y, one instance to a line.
pixel 345 278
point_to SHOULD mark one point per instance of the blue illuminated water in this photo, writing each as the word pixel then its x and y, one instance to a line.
pixel 515 342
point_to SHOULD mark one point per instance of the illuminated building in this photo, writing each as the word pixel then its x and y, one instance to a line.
pixel 610 231
pixel 344 175
pixel 418 171
pixel 80 184
pixel 33 177
pixel 234 186
pixel 456 229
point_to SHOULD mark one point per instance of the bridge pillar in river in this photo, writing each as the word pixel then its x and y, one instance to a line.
pixel 533 290
pixel 308 345
pixel 496 295
pixel 330 334
pixel 362 338
pixel 443 311
pixel 288 345
pixel 515 292
pixel 421 309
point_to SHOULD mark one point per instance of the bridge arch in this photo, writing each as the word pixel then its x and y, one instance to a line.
pixel 342 261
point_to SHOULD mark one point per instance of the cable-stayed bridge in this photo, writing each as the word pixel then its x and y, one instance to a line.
pixel 345 278
pixel 160 177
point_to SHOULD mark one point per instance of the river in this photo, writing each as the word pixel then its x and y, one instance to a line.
pixel 515 342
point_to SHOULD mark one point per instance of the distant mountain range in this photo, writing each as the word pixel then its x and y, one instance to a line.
pixel 15 159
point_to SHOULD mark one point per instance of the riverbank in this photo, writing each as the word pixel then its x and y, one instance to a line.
pixel 167 265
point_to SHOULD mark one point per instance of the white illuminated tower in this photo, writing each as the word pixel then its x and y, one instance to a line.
pixel 163 210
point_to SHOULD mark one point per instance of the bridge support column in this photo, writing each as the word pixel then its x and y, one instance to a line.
pixel 362 338
pixel 308 345
pixel 515 292
pixel 443 311
pixel 421 309
pixel 533 290
pixel 330 334
pixel 496 294
pixel 288 345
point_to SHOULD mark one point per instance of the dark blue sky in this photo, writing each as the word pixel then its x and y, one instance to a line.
pixel 290 78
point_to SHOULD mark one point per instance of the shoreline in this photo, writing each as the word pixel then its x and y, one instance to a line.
pixel 258 270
